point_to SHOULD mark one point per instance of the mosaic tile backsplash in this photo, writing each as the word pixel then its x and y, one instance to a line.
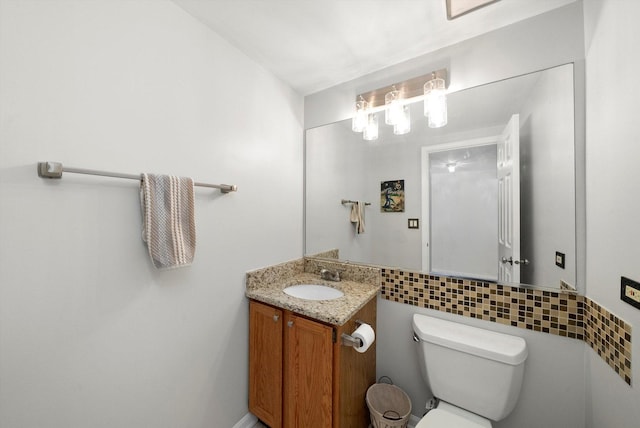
pixel 563 314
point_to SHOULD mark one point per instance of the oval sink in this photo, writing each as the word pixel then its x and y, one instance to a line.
pixel 313 292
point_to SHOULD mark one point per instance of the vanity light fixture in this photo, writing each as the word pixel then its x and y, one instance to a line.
pixel 435 102
pixel 395 99
pixel 452 166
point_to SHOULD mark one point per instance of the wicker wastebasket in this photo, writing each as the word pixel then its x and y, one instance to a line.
pixel 389 406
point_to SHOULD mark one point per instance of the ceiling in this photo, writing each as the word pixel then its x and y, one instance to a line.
pixel 315 44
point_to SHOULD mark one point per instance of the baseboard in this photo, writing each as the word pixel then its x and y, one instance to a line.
pixel 247 421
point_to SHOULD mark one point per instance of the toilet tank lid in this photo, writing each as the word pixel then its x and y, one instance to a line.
pixel 472 340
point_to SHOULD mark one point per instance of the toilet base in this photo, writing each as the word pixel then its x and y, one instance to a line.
pixel 447 415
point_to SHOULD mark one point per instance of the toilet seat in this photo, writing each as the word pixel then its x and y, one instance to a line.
pixel 447 416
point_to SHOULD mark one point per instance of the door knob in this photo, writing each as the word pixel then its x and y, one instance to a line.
pixel 290 324
pixel 276 317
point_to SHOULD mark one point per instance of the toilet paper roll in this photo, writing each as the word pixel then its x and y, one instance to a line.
pixel 366 334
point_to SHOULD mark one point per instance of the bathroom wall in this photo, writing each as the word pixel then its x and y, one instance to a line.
pixel 339 173
pixel 555 363
pixel 91 335
pixel 547 177
pixel 613 185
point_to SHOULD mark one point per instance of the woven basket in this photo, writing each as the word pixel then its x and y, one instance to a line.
pixel 389 406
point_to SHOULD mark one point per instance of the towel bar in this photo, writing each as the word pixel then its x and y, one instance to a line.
pixel 349 201
pixel 55 170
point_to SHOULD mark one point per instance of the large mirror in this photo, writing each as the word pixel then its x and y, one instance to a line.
pixel 459 215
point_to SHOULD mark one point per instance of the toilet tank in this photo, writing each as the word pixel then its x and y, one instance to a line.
pixel 472 368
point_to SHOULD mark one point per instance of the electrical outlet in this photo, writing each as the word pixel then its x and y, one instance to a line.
pixel 630 291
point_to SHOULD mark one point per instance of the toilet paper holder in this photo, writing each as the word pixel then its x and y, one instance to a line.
pixel 348 340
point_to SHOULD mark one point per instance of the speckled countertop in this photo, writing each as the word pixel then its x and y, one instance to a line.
pixel 266 286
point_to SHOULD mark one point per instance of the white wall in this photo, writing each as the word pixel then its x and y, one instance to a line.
pixel 392 158
pixel 547 179
pixel 338 172
pixel 90 334
pixel 613 186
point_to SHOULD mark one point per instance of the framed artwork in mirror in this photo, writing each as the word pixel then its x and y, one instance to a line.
pixel 392 196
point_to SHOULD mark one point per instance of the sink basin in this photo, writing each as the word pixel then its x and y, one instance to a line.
pixel 313 292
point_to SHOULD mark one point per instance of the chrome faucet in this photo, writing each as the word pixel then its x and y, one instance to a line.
pixel 330 275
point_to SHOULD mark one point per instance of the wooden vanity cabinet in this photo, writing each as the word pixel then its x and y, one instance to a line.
pixel 308 373
pixel 265 367
pixel 300 376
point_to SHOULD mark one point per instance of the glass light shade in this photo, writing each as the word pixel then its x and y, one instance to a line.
pixel 359 121
pixel 393 107
pixel 404 124
pixel 371 130
pixel 435 102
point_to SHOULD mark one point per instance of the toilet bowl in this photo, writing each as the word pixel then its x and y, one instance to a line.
pixel 476 374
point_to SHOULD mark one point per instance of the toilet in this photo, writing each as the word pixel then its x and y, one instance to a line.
pixel 476 374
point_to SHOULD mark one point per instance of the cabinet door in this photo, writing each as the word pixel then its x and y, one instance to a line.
pixel 308 373
pixel 265 363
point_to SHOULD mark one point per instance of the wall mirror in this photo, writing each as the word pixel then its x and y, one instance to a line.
pixel 455 219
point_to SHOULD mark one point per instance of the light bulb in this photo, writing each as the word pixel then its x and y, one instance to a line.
pixel 371 130
pixel 404 124
pixel 359 120
pixel 435 102
pixel 393 107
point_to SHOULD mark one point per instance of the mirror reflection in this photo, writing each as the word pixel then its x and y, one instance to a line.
pixel 489 196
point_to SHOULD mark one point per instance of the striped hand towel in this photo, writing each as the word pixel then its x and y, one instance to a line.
pixel 168 219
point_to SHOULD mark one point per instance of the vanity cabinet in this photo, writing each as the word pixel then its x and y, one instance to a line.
pixel 300 375
pixel 265 368
pixel 308 373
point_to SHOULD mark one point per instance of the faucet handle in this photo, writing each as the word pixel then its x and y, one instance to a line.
pixel 331 275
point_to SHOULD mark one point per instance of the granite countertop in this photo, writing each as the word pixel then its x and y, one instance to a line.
pixel 335 312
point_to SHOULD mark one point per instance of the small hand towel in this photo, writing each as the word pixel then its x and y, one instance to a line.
pixel 357 216
pixel 168 219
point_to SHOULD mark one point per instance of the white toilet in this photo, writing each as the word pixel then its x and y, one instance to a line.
pixel 475 373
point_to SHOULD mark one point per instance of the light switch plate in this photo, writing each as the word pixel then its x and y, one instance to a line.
pixel 560 259
pixel 630 291
pixel 414 223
